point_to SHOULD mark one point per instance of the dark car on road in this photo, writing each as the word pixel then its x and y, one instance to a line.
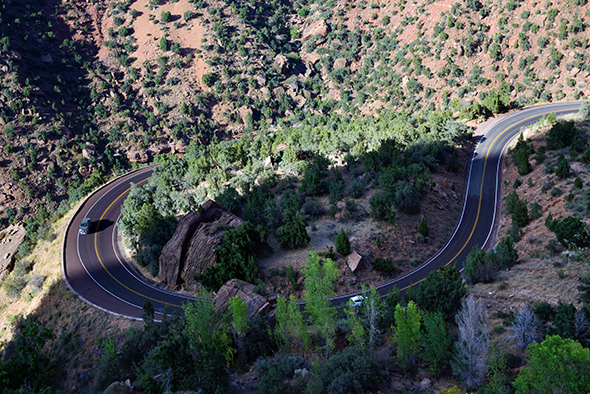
pixel 85 226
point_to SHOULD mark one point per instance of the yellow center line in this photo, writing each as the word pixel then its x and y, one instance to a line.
pixel 106 269
pixel 402 289
pixel 482 183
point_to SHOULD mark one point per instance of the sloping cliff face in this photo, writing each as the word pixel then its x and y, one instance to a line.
pixel 193 247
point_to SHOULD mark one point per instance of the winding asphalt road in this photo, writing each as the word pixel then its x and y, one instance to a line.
pixel 94 269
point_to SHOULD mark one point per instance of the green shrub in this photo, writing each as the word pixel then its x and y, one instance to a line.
pixel 382 207
pixel 166 17
pixel 563 167
pixel 561 135
pixel 349 372
pixel 292 233
pixel 236 256
pixel 571 232
pixel 423 228
pixel 384 266
pixel 342 243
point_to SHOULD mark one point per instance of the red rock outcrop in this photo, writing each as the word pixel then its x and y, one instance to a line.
pixel 256 303
pixel 193 247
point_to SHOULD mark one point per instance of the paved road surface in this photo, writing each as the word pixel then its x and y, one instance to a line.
pixel 95 271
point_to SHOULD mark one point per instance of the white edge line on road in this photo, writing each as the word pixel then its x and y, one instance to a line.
pixel 115 249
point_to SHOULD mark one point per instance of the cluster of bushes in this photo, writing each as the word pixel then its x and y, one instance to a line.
pixel 480 266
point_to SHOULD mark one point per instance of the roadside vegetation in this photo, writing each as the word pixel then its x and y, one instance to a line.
pixel 288 113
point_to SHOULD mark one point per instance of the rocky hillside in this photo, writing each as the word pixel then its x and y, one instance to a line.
pixel 90 87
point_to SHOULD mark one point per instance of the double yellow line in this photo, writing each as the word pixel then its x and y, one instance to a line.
pixel 102 263
pixel 405 288
pixel 482 183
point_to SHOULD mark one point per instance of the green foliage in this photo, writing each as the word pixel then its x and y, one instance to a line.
pixel 571 232
pixel 383 266
pixel 236 256
pixel 479 267
pixel 584 111
pixel 561 135
pixel 423 228
pixel 208 345
pixel 437 342
pixel 357 335
pixel 319 288
pixel 293 234
pixel 165 45
pixel 291 329
pixel 314 177
pixel 342 243
pixel 239 313
pixel 454 161
pixel 209 79
pixel 442 291
pixel 407 334
pixel 584 288
pixel 520 156
pixel 166 17
pixel 381 206
pixel 556 365
pixel 517 209
pixel 28 367
pixel 349 372
pixel 497 373
pixel 504 255
pixel 274 373
pixel 563 167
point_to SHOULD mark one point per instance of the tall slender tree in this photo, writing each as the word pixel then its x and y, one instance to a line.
pixel 471 350
pixel 407 334
pixel 319 288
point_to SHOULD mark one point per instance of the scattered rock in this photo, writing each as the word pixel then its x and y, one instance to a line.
pixel 89 151
pixel 278 91
pixel 268 162
pixel 137 156
pixel 317 28
pixel 353 260
pixel 281 63
pixel 425 384
pixel 339 63
pixel 245 113
pixel 46 58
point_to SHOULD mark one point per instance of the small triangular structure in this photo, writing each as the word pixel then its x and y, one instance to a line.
pixel 354 259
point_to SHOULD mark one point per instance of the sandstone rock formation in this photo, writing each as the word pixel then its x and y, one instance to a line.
pixel 10 240
pixel 193 247
pixel 256 303
pixel 320 27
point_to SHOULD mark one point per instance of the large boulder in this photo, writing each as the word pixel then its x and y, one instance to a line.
pixel 10 240
pixel 320 27
pixel 255 302
pixel 193 247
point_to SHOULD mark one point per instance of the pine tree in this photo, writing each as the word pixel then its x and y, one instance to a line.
pixel 423 229
pixel 563 167
pixel 342 243
pixel 454 161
